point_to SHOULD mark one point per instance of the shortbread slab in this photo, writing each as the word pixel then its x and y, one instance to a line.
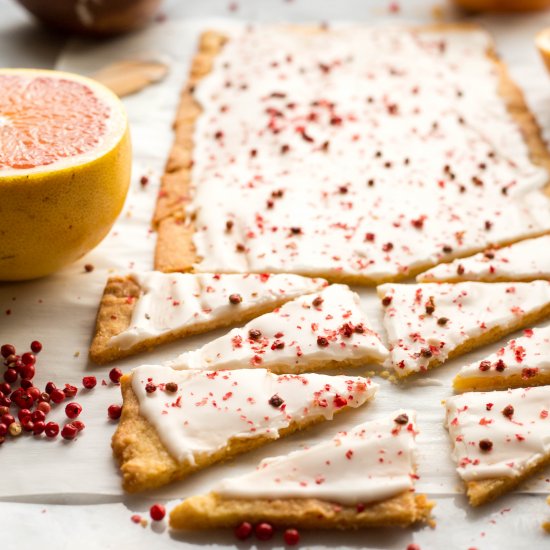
pixel 430 323
pixel 143 310
pixel 318 331
pixel 527 260
pixel 499 438
pixel 284 167
pixel 522 362
pixel 174 423
pixel 360 478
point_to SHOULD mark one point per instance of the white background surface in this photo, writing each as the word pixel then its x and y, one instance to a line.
pixel 62 494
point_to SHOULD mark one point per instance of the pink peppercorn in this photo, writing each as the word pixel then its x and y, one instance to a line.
pixel 52 429
pixel 157 512
pixel 89 382
pixel 36 346
pixel 244 530
pixel 72 410
pixel 69 432
pixel 115 375
pixel 114 412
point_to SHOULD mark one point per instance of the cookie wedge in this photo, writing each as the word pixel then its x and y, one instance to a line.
pixel 499 438
pixel 165 431
pixel 319 331
pixel 521 363
pixel 337 484
pixel 141 311
pixel 430 323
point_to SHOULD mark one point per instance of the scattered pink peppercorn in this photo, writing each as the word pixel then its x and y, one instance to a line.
pixel 263 531
pixel 244 530
pixel 157 512
pixel 27 372
pixel 28 358
pixel 150 387
pixel 72 410
pixel 7 419
pixel 34 392
pixel 38 416
pixel 5 388
pixel 89 382
pixel 69 431
pixel 23 414
pixel 57 396
pixel 44 407
pixel 115 375
pixel 114 412
pixel 52 429
pixel 291 537
pixel 10 376
pixel 36 346
pixel 50 386
pixel 3 430
pixel 39 427
pixel 70 391
pixel 6 350
pixel 78 425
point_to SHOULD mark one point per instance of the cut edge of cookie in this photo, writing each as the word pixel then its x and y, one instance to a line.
pixel 214 511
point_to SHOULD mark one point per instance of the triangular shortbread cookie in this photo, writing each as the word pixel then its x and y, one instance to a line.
pixel 176 422
pixel 141 311
pixel 499 438
pixel 360 478
pixel 429 323
pixel 522 362
pixel 527 260
pixel 319 331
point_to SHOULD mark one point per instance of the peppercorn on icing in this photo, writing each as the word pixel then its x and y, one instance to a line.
pixel 371 462
pixel 319 330
pixel 523 361
pixel 499 434
pixel 174 301
pixel 523 261
pixel 357 153
pixel 428 323
pixel 183 406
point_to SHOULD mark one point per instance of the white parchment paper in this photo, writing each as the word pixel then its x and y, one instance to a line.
pixel 76 483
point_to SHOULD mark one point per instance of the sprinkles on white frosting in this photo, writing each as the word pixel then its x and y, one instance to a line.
pixel 426 322
pixel 499 433
pixel 523 261
pixel 371 462
pixel 358 152
pixel 527 356
pixel 207 409
pixel 172 301
pixel 326 326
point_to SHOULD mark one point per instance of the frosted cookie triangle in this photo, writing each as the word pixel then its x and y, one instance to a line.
pixel 318 331
pixel 499 438
pixel 527 260
pixel 359 478
pixel 166 429
pixel 522 362
pixel 143 310
pixel 429 323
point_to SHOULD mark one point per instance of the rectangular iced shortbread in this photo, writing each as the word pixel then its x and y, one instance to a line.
pixel 279 163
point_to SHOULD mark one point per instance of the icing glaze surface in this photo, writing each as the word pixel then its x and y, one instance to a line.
pixel 427 321
pixel 528 356
pixel 171 301
pixel 326 326
pixel 500 433
pixel 356 152
pixel 239 404
pixel 371 462
pixel 529 259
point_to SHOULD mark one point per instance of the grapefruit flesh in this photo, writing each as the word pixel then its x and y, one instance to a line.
pixel 64 169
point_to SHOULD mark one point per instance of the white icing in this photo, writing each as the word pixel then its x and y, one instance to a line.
pixel 529 259
pixel 517 441
pixel 471 309
pixel 528 356
pixel 371 462
pixel 173 301
pixel 209 408
pixel 297 326
pixel 361 91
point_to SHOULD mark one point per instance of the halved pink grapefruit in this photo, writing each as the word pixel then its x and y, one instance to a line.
pixel 65 161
